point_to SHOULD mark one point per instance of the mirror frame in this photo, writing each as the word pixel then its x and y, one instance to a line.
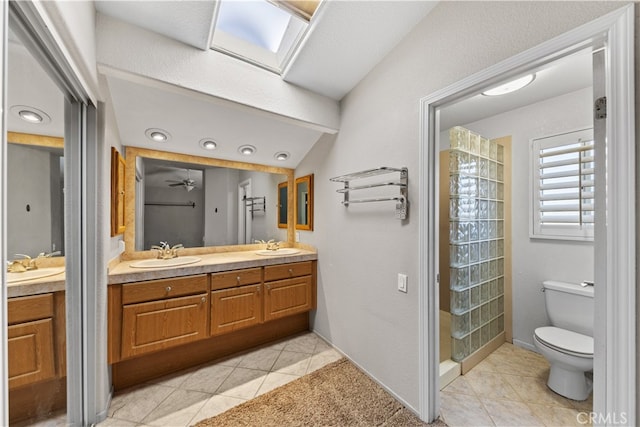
pixel 282 185
pixel 308 179
pixel 118 178
pixel 130 198
pixel 35 140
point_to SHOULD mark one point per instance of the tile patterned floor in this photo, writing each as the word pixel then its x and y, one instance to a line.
pixel 184 398
pixel 509 388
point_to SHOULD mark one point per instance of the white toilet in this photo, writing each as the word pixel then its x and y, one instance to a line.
pixel 568 343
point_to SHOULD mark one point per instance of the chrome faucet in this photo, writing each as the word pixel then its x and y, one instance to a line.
pixel 167 252
pixel 272 245
pixel 21 265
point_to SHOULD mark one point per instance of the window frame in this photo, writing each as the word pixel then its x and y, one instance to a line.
pixel 556 232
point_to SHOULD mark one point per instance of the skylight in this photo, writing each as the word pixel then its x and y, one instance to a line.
pixel 258 32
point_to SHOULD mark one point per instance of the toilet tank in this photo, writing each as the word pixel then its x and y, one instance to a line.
pixel 570 306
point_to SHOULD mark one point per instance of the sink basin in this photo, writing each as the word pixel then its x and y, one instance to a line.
pixel 160 263
pixel 283 251
pixel 33 274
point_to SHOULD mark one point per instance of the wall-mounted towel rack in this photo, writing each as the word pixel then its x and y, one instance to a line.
pixel 256 204
pixel 186 204
pixel 402 183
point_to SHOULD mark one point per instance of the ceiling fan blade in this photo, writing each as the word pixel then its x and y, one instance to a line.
pixel 177 184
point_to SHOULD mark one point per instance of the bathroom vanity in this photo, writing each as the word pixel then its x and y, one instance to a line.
pixel 165 319
pixel 36 347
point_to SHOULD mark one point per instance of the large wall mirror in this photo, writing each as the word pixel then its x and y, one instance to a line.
pixel 208 205
pixel 35 195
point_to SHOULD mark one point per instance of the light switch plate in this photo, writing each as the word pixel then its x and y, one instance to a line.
pixel 402 282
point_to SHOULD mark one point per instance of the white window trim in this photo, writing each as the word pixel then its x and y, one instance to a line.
pixel 536 229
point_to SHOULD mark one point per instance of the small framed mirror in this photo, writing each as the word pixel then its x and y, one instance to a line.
pixel 282 204
pixel 304 202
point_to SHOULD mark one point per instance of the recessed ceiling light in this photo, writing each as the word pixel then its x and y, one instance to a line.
pixel 208 144
pixel 157 135
pixel 511 86
pixel 281 155
pixel 247 150
pixel 30 114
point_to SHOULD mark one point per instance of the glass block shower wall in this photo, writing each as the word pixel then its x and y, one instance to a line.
pixel 476 241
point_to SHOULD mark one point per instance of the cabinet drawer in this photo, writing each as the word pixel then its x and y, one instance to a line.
pixel 164 288
pixel 26 309
pixel 229 279
pixel 286 271
pixel 157 325
pixel 30 351
pixel 236 308
pixel 287 297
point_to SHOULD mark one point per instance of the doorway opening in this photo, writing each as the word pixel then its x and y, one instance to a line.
pixel 614 259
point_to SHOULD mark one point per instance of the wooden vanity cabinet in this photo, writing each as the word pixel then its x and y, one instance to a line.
pixel 236 300
pixel 160 314
pixel 288 289
pixel 31 339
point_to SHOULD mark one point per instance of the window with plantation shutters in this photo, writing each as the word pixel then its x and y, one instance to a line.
pixel 563 186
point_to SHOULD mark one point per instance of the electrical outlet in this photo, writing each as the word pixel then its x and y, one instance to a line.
pixel 402 282
pixel 297 236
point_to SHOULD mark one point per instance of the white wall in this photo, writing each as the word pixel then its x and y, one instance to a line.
pixel 220 206
pixel 173 224
pixel 536 260
pixel 362 248
pixel 28 183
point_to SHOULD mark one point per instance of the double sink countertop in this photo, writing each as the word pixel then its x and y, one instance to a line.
pixel 123 272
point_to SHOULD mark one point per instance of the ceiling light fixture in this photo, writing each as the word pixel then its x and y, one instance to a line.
pixel 208 144
pixel 157 135
pixel 511 86
pixel 30 114
pixel 281 156
pixel 247 150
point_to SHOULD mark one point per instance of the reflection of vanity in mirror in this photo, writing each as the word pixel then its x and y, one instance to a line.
pixel 201 202
pixel 35 196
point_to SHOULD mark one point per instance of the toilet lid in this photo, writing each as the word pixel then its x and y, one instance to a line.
pixel 563 339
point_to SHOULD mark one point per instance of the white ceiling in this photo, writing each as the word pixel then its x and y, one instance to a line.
pixel 563 76
pixel 321 66
pixel 189 117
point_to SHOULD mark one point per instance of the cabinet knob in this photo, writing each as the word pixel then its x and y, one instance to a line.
pixel 258 289
pixel 291 271
pixel 168 288
pixel 268 287
pixel 238 278
pixel 204 299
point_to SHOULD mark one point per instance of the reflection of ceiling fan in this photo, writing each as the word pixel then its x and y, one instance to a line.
pixel 188 184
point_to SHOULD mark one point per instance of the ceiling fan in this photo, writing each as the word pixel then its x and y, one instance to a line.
pixel 188 183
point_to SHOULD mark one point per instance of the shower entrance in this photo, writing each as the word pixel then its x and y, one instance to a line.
pixel 475 259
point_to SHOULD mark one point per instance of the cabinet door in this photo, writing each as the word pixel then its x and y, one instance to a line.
pixel 162 324
pixel 30 348
pixel 237 308
pixel 287 297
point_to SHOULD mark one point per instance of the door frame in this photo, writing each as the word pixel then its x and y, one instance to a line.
pixel 244 227
pixel 615 328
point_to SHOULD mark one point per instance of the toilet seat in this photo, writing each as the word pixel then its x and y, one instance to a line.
pixel 565 341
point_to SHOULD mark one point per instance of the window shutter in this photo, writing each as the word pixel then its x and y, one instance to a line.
pixel 563 186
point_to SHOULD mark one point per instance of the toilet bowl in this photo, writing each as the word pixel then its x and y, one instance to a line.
pixel 568 343
pixel 570 355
